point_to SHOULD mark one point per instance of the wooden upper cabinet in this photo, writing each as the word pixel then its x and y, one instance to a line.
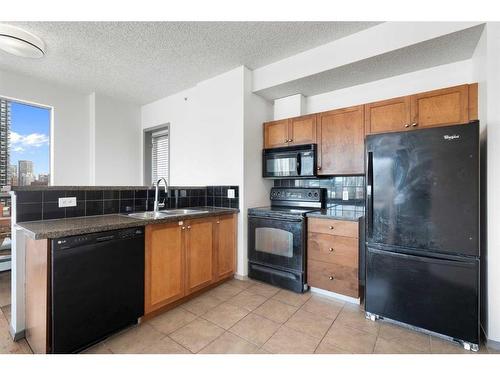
pixel 276 134
pixel 302 130
pixel 164 261
pixel 290 132
pixel 388 115
pixel 199 253
pixel 341 141
pixel 442 107
pixel 225 254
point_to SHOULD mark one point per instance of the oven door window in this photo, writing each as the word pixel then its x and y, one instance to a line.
pixel 274 241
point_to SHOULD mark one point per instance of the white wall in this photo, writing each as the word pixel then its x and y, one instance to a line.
pixel 115 137
pixel 70 136
pixel 404 84
pixel 206 130
pixel 487 62
pixel 255 189
pixel 289 106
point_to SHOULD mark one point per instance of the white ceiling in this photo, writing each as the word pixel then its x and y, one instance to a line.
pixel 449 48
pixel 145 61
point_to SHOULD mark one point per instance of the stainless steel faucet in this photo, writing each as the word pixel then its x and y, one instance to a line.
pixel 159 204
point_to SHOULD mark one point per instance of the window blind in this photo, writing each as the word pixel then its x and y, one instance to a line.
pixel 160 155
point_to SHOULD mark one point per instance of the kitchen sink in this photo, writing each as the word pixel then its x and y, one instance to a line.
pixel 148 215
pixel 183 211
pixel 151 215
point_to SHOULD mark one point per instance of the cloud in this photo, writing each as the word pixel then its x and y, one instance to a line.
pixel 21 142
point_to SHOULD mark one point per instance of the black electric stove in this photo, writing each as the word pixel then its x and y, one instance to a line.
pixel 277 237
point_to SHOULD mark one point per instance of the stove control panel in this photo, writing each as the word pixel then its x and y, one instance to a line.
pixel 297 194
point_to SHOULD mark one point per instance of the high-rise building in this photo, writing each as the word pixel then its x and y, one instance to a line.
pixel 4 141
pixel 25 172
pixel 13 179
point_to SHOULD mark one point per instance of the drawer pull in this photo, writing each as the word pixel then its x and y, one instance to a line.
pixel 331 227
pixel 331 278
pixel 330 249
pixel 407 125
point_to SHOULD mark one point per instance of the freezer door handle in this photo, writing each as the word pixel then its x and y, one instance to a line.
pixel 423 259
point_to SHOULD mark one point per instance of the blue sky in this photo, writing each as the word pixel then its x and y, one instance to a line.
pixel 30 135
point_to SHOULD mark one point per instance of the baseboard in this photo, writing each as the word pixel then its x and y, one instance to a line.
pixel 327 293
pixel 16 336
pixel 240 277
pixel 495 345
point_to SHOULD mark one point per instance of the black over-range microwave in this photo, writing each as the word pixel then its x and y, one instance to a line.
pixel 289 162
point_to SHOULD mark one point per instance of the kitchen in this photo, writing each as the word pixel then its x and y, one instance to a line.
pixel 258 207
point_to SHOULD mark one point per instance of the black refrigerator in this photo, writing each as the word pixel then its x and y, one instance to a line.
pixel 422 229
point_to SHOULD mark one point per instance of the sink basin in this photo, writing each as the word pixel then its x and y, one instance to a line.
pixel 148 215
pixel 183 211
pixel 151 215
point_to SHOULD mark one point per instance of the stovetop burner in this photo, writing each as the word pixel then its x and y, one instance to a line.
pixel 289 202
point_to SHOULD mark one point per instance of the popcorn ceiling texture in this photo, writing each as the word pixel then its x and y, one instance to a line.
pixel 141 62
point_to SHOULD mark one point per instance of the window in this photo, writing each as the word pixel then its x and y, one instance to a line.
pixel 157 156
pixel 24 147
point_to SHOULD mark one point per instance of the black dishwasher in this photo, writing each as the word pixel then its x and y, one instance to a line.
pixel 97 285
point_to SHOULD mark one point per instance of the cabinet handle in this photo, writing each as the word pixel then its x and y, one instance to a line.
pixel 286 141
pixel 183 228
pixel 331 278
pixel 330 249
pixel 330 227
pixel 290 140
pixel 319 168
pixel 414 124
pixel 407 125
pixel 189 227
pixel 218 222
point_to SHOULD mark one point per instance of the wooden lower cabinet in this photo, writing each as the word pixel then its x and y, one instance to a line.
pixel 225 254
pixel 199 254
pixel 333 255
pixel 164 265
pixel 333 277
pixel 187 256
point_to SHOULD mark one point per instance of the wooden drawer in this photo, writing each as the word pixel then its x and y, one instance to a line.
pixel 333 249
pixel 333 277
pixel 333 227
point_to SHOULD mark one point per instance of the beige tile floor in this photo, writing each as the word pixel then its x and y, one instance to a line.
pixel 250 317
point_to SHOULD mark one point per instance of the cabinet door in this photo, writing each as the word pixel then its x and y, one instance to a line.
pixel 341 141
pixel 388 115
pixel 276 134
pixel 226 246
pixel 442 107
pixel 199 253
pixel 164 262
pixel 302 130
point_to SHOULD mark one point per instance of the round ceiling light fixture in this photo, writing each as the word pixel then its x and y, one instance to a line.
pixel 19 42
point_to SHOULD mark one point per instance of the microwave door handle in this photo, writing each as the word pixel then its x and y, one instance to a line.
pixel 299 164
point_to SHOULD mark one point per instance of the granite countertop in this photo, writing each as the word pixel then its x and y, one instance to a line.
pixel 350 212
pixel 57 228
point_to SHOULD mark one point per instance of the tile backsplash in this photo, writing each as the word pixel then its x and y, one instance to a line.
pixel 43 204
pixel 353 186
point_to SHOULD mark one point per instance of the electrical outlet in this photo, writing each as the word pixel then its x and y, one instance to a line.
pixel 230 193
pixel 67 202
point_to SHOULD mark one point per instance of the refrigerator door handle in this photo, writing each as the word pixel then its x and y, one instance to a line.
pixel 369 194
